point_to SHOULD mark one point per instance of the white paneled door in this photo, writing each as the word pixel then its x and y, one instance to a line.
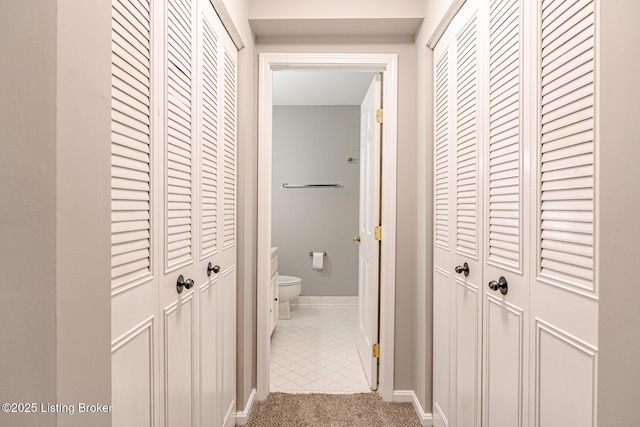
pixel 515 296
pixel 173 215
pixel 458 221
pixel 506 231
pixel 369 246
pixel 564 292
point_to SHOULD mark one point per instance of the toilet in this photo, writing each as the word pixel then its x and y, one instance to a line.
pixel 289 287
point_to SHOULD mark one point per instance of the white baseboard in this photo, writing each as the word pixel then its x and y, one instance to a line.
pixel 426 419
pixel 242 417
pixel 325 300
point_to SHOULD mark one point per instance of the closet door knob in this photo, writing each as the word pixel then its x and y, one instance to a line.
pixel 356 239
pixel 181 283
pixel 464 269
pixel 500 285
pixel 214 269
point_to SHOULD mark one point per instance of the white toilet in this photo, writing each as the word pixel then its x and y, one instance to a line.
pixel 289 287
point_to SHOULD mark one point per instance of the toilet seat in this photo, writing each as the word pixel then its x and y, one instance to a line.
pixel 288 280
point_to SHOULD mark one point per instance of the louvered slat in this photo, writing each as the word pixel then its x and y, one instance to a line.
pixel 229 159
pixel 504 134
pixel 209 148
pixel 567 142
pixel 130 142
pixel 467 139
pixel 179 126
pixel 441 155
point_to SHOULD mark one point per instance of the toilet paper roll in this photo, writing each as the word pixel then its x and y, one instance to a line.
pixel 318 260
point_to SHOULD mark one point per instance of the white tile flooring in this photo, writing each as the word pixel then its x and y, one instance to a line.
pixel 315 351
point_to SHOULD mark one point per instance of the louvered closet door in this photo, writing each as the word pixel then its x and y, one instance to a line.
pixel 209 219
pixel 216 271
pixel 467 207
pixel 134 264
pixel 506 229
pixel 443 242
pixel 227 205
pixel 458 231
pixel 179 237
pixel 564 290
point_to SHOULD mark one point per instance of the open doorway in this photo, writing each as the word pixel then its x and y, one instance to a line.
pixel 325 174
pixel 371 63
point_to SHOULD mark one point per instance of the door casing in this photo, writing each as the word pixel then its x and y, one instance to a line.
pixel 382 63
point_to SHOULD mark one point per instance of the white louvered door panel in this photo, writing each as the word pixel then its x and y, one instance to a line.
pixel 467 207
pixel 209 284
pixel 506 231
pixel 458 216
pixel 564 291
pixel 442 252
pixel 228 102
pixel 134 325
pixel 179 350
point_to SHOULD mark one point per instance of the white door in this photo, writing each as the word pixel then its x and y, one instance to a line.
pixel 467 214
pixel 134 258
pixel 506 230
pixel 564 291
pixel 178 304
pixel 369 250
pixel 209 221
pixel 457 275
pixel 227 206
pixel 216 261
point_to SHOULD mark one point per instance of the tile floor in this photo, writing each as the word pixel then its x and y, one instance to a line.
pixel 315 351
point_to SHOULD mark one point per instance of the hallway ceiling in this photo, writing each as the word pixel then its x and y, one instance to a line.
pixel 398 29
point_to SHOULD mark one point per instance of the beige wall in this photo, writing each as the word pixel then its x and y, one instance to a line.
pixel 83 207
pixel 619 208
pixel 406 190
pixel 28 208
pixel 55 109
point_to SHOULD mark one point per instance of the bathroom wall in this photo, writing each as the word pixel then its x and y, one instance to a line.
pixel 311 144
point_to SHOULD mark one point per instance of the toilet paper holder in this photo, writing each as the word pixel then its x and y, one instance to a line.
pixel 323 254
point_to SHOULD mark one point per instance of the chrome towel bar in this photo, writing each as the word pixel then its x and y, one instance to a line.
pixel 285 185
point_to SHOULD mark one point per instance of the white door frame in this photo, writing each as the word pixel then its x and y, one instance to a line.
pixel 388 65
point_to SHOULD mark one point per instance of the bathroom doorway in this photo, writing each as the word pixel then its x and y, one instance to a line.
pixel 386 65
pixel 323 206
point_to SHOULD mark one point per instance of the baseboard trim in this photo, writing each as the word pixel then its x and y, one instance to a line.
pixel 426 419
pixel 242 417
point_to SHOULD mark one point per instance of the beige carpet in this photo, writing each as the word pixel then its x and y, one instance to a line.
pixel 330 410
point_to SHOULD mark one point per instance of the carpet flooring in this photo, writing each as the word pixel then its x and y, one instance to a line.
pixel 331 410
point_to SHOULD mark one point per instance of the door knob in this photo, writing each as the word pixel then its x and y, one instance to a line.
pixel 464 269
pixel 501 285
pixel 214 269
pixel 356 239
pixel 181 283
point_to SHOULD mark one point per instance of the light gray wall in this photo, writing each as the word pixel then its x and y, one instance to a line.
pixel 619 205
pixel 55 217
pixel 83 177
pixel 28 208
pixel 311 145
pixel 406 261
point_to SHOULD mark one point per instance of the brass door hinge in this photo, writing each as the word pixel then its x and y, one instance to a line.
pixel 379 115
pixel 376 350
pixel 377 233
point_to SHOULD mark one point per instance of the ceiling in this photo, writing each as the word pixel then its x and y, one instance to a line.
pixel 303 87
